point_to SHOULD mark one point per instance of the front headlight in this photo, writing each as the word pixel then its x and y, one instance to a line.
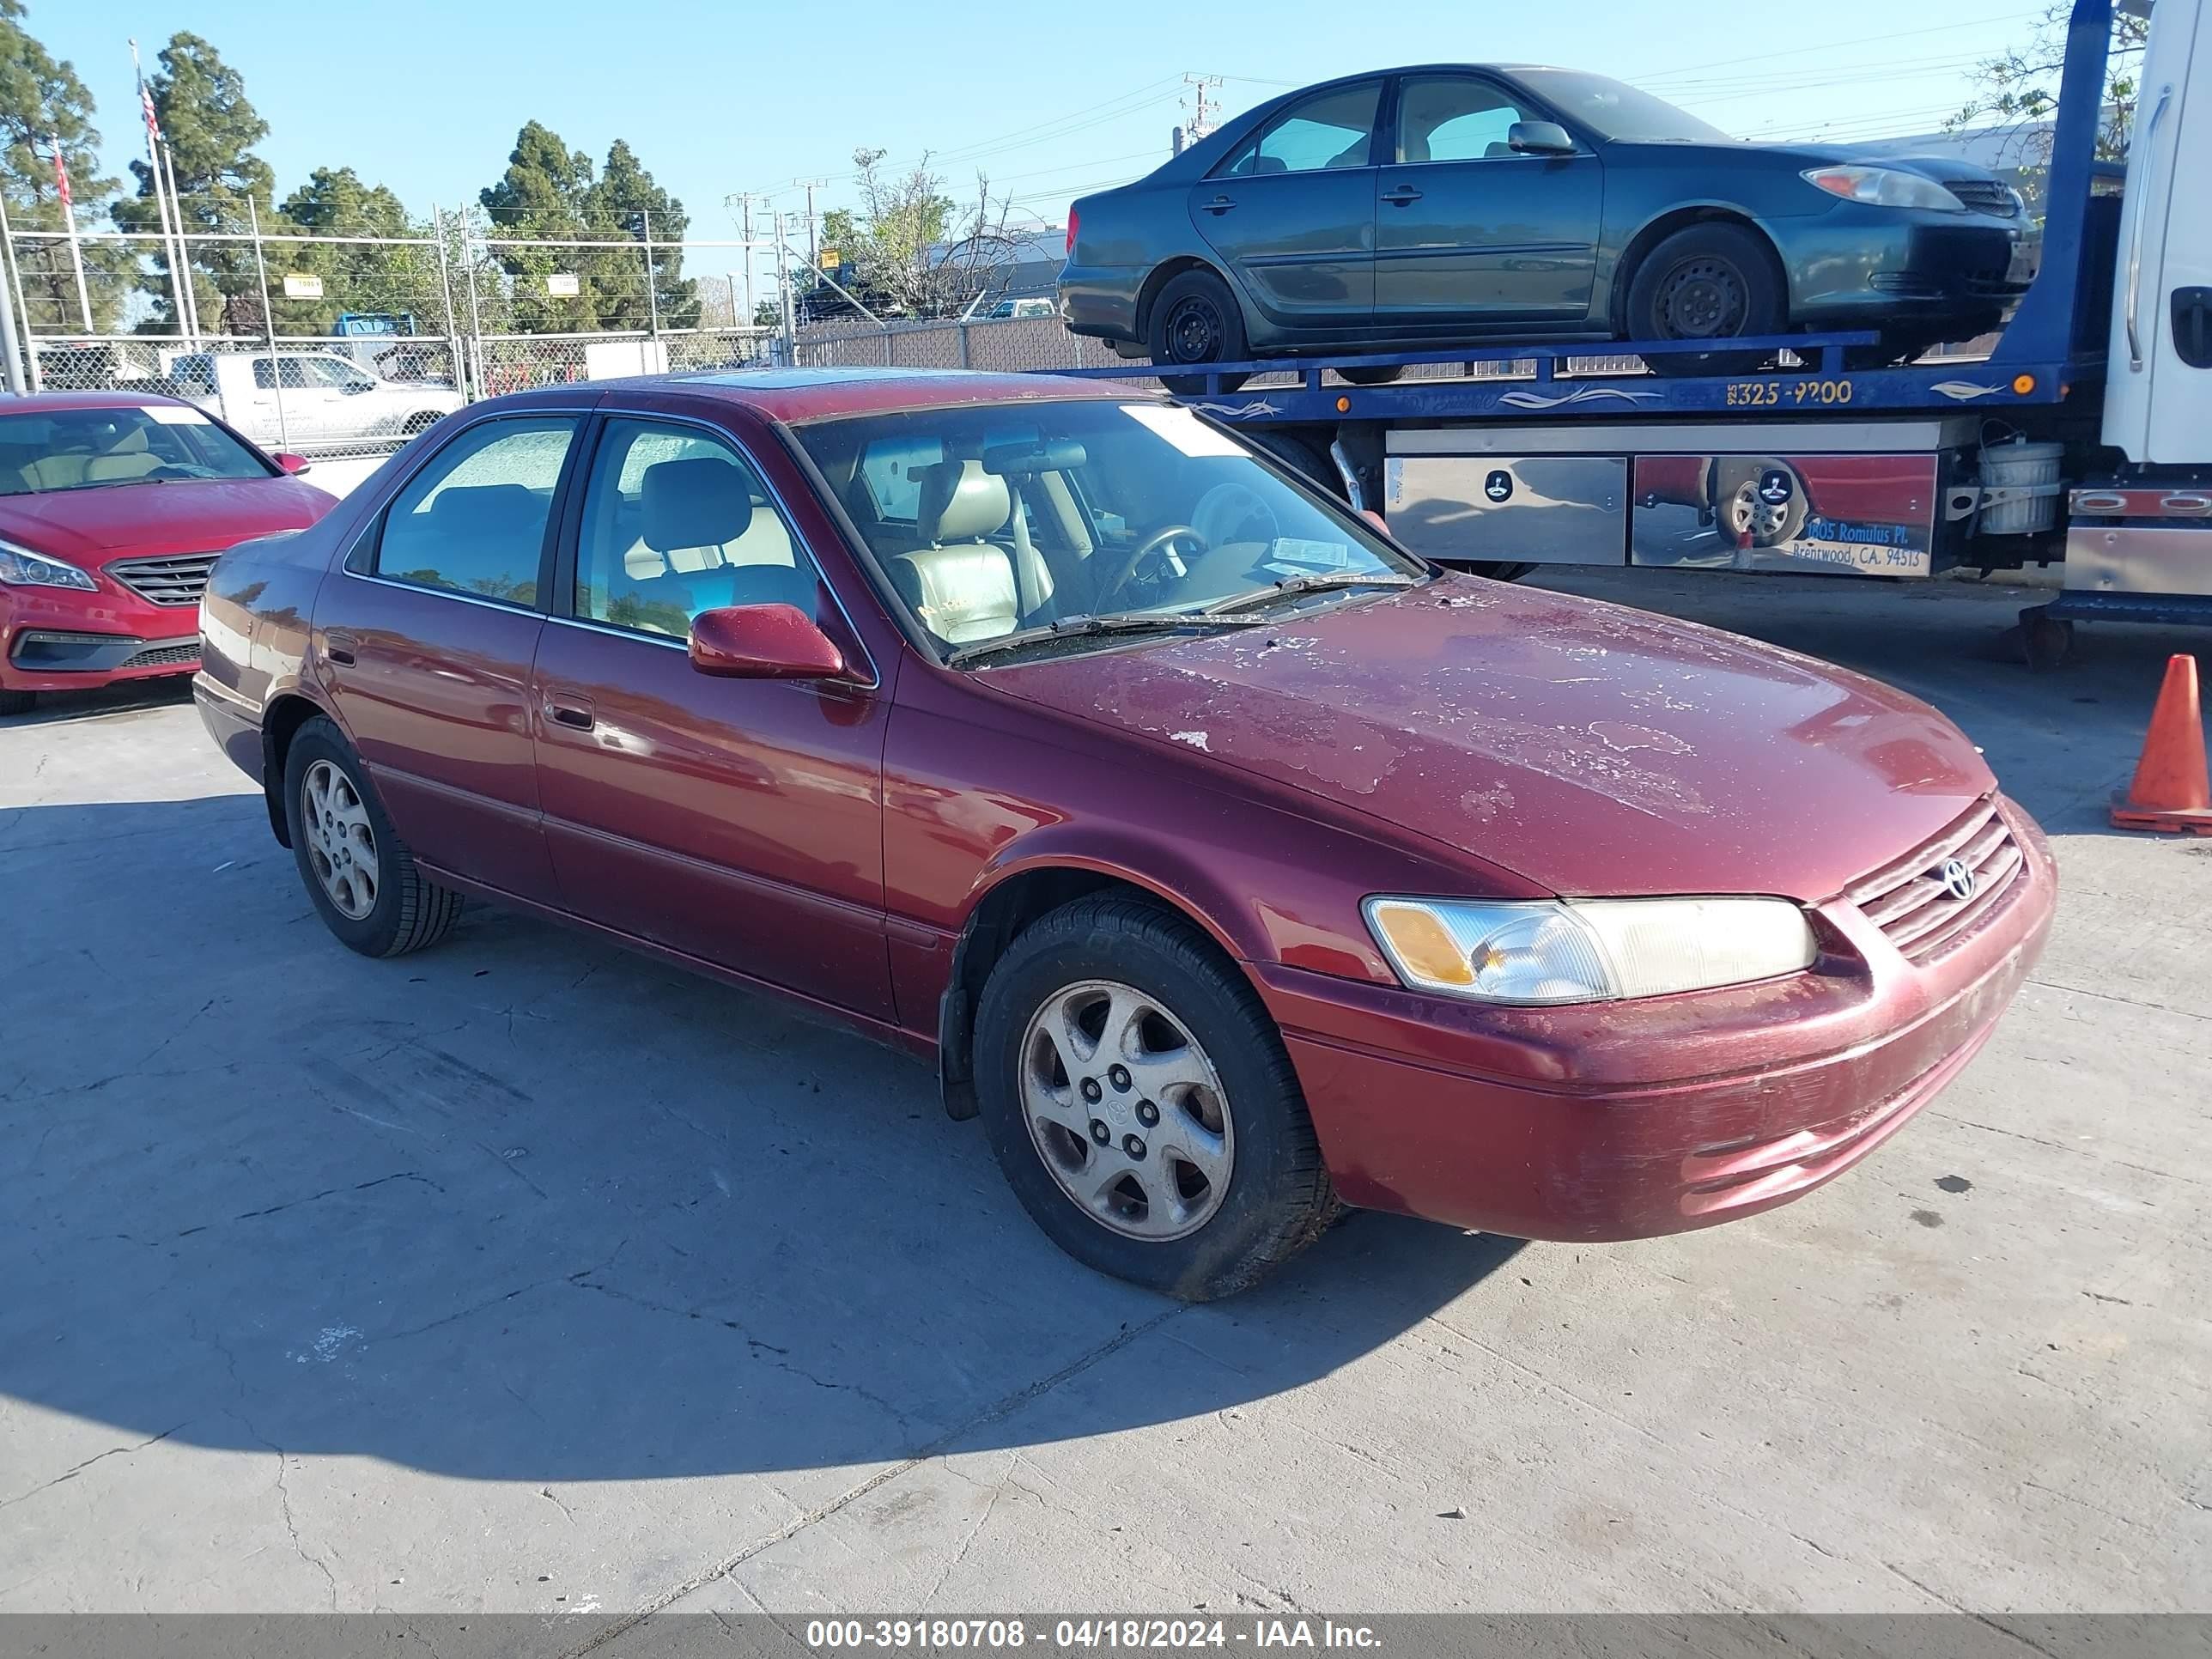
pixel 21 568
pixel 1885 187
pixel 1587 950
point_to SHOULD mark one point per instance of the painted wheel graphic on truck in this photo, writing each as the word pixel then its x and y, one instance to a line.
pixel 1758 501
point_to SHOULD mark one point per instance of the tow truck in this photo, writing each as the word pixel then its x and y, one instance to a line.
pixel 2083 437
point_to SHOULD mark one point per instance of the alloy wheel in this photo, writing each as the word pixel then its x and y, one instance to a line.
pixel 341 845
pixel 1127 1110
pixel 1749 513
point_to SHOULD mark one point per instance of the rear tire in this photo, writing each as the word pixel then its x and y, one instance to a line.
pixel 1195 319
pixel 1225 1181
pixel 1373 375
pixel 1715 281
pixel 360 876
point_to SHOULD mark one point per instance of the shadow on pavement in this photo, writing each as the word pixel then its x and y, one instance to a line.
pixel 525 1207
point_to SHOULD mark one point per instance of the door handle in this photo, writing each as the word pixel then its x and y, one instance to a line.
pixel 2135 238
pixel 1218 205
pixel 570 710
pixel 1400 196
pixel 338 647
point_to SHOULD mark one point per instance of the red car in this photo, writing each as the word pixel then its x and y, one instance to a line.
pixel 1231 862
pixel 100 572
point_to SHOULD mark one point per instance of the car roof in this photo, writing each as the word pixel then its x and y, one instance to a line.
pixel 793 395
pixel 113 398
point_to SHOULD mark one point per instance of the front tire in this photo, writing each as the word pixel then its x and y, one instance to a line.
pixel 360 876
pixel 1708 281
pixel 1195 319
pixel 1142 1105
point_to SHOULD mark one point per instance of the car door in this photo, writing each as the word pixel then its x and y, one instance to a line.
pixel 1292 211
pixel 429 632
pixel 351 406
pixel 739 822
pixel 291 401
pixel 1466 231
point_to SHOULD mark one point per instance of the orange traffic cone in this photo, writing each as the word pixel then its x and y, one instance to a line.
pixel 2170 790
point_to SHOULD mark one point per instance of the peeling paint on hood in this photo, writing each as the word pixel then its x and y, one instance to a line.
pixel 1591 748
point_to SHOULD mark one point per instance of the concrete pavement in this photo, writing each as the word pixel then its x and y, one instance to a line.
pixel 526 1274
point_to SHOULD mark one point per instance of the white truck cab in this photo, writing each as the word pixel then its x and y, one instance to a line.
pixel 307 399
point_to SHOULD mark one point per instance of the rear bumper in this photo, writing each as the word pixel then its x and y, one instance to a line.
pixel 1638 1119
pixel 63 639
pixel 1101 300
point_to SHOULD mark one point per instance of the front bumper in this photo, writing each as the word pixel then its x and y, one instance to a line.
pixel 1869 264
pixel 1633 1120
pixel 59 639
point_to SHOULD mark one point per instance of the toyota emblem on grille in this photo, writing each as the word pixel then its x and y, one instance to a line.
pixel 1955 878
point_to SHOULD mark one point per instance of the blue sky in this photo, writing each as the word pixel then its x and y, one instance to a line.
pixel 426 98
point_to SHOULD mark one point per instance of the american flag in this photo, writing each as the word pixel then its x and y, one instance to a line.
pixel 61 174
pixel 146 103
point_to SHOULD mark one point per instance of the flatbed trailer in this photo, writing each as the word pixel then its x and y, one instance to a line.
pixel 1809 453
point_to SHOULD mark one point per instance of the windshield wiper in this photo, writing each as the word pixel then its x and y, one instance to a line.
pixel 1071 627
pixel 1316 581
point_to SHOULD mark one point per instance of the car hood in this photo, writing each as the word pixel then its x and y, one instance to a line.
pixel 184 515
pixel 1586 747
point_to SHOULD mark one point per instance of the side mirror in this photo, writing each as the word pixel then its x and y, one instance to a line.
pixel 763 642
pixel 1539 138
pixel 295 464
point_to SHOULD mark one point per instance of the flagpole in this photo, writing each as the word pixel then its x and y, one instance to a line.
pixel 177 210
pixel 178 280
pixel 69 218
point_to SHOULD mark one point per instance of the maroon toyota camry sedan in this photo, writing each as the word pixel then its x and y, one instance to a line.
pixel 1231 863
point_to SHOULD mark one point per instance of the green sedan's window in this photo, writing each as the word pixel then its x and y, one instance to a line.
pixel 1454 118
pixel 1333 130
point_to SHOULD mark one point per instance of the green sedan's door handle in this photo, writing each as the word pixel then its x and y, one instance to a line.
pixel 1218 205
pixel 1401 196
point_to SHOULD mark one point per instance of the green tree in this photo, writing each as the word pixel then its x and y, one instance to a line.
pixel 552 193
pixel 211 128
pixel 545 194
pixel 627 198
pixel 357 277
pixel 43 104
pixel 2017 89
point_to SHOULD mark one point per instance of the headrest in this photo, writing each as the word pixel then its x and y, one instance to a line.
pixel 960 502
pixel 1269 164
pixel 473 509
pixel 703 502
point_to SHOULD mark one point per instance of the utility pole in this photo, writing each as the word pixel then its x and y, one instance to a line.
pixel 745 199
pixel 813 239
pixel 783 281
pixel 1203 116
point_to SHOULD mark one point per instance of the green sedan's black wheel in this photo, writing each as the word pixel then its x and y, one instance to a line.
pixel 1709 281
pixel 1194 320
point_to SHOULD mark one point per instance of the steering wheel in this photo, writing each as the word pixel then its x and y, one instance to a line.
pixel 1227 508
pixel 1107 588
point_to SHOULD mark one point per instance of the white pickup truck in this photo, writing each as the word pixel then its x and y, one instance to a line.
pixel 309 400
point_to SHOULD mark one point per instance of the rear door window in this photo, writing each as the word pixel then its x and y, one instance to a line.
pixel 473 520
pixel 1330 131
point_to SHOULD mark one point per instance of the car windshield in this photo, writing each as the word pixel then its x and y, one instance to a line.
pixel 1001 525
pixel 52 450
pixel 1617 111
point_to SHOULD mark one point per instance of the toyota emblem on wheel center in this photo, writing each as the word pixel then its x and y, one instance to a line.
pixel 1956 879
